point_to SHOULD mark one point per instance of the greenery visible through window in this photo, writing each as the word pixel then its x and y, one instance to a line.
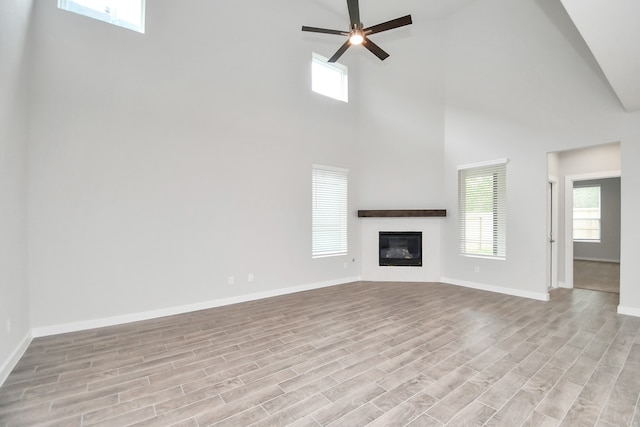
pixel 586 213
pixel 482 208
pixel 123 13
pixel 329 79
pixel 329 211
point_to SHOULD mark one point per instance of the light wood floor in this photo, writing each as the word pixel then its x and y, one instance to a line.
pixel 379 354
pixel 596 275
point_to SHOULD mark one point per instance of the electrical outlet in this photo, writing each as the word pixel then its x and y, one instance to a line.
pixel 231 280
pixel 477 269
pixel 346 265
pixel 8 326
pixel 250 277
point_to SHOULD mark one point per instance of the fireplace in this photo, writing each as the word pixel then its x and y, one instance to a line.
pixel 400 248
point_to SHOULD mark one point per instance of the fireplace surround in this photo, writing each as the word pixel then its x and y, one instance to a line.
pixel 371 224
pixel 400 248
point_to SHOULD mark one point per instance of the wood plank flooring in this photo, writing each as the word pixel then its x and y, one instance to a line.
pixel 378 354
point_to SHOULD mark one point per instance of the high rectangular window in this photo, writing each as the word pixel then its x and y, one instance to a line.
pixel 329 211
pixel 586 213
pixel 329 79
pixel 123 13
pixel 482 205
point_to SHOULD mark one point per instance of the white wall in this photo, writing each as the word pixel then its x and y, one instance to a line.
pixel 630 227
pixel 516 87
pixel 14 306
pixel 401 132
pixel 400 146
pixel 161 164
pixel 590 160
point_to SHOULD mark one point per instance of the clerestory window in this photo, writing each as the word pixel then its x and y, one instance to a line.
pixel 329 79
pixel 123 13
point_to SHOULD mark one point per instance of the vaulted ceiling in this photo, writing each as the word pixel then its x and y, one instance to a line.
pixel 610 29
pixel 374 11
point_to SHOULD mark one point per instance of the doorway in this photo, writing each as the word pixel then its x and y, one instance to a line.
pixel 571 181
pixel 596 234
pixel 564 169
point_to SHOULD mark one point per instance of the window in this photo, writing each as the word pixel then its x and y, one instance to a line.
pixel 329 79
pixel 482 204
pixel 586 213
pixel 123 13
pixel 329 211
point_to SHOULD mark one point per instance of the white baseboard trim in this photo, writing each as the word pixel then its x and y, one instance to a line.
pixel 564 285
pixel 616 261
pixel 629 311
pixel 13 360
pixel 170 311
pixel 540 296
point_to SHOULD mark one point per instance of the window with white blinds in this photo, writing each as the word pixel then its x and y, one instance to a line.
pixel 586 213
pixel 482 204
pixel 329 211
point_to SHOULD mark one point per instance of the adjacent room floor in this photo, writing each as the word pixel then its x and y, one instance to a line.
pixel 379 354
pixel 596 276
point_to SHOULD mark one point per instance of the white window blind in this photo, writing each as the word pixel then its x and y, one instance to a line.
pixel 329 211
pixel 482 203
pixel 586 213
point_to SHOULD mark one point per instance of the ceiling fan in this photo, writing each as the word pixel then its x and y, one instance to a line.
pixel 358 34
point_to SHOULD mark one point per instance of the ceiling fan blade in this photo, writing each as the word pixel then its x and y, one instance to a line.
pixel 354 13
pixel 389 25
pixel 375 49
pixel 324 31
pixel 340 51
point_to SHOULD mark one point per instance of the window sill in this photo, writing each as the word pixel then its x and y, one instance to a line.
pixel 499 258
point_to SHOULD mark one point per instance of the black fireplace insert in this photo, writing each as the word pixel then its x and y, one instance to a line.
pixel 400 248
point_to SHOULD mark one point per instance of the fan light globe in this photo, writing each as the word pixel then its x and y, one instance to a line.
pixel 357 33
pixel 356 38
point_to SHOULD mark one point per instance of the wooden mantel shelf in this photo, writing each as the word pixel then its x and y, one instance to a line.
pixel 404 213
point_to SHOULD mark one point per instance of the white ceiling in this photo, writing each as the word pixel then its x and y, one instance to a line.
pixel 611 29
pixel 376 11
